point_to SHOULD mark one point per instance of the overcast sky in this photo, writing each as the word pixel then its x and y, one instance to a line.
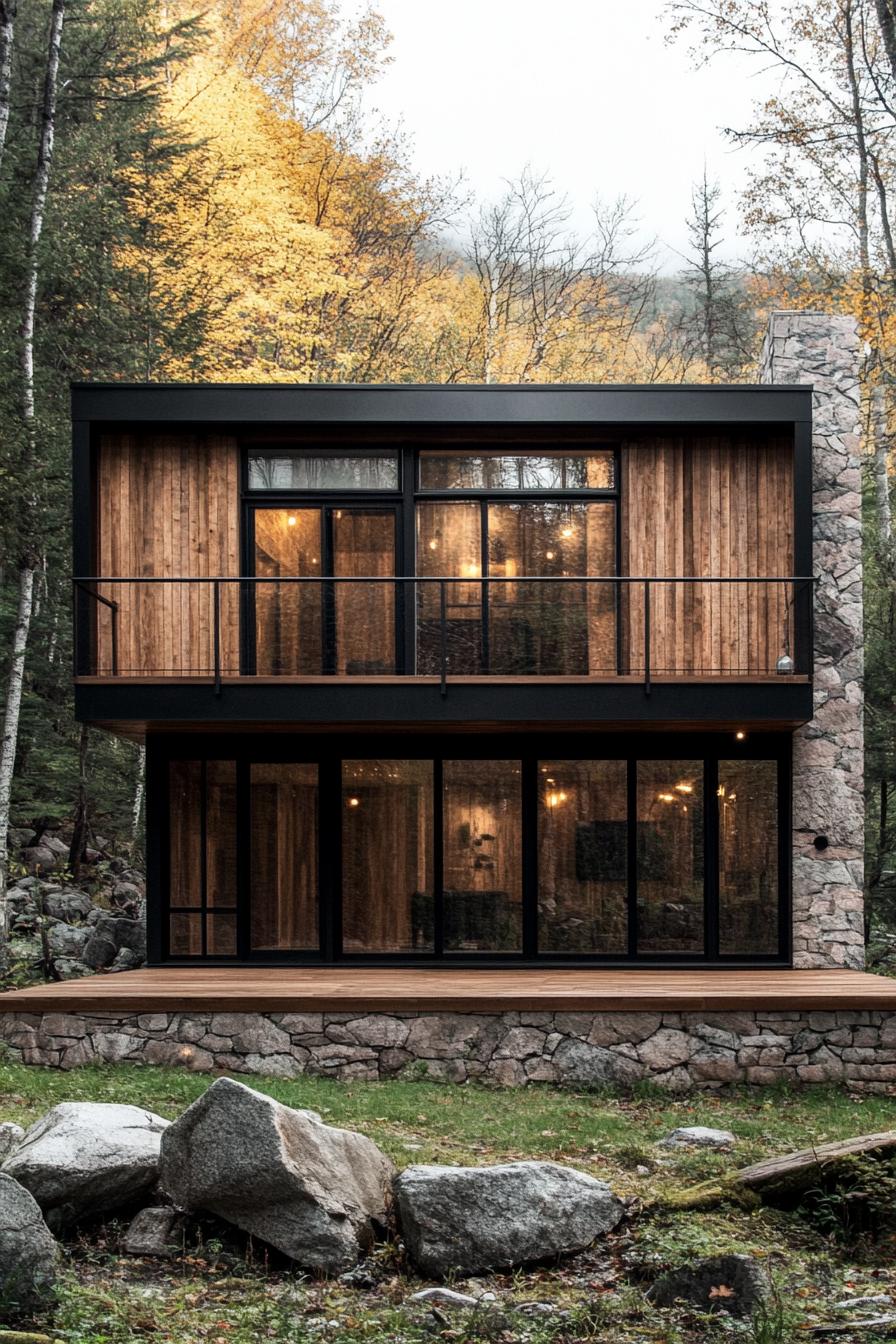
pixel 587 90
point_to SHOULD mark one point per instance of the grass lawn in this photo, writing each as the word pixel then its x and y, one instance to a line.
pixel 229 1292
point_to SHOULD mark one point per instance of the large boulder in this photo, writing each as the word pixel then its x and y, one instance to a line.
pixel 85 1158
pixel 468 1219
pixel 28 1253
pixel 733 1283
pixel 315 1193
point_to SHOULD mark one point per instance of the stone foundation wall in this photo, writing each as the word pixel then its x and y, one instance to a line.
pixel 828 759
pixel 678 1051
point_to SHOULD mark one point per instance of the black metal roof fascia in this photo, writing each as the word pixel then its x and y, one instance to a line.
pixel 405 403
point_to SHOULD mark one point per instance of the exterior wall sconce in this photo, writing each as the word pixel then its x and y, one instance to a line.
pixel 784 665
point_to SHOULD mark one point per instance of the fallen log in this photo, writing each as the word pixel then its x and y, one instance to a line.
pixel 785 1175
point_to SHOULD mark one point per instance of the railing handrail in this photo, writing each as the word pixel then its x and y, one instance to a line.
pixel 87 586
pixel 448 578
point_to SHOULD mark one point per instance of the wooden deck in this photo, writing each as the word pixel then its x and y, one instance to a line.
pixel 380 989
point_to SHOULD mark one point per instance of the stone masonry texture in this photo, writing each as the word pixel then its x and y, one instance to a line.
pixel 816 348
pixel 677 1051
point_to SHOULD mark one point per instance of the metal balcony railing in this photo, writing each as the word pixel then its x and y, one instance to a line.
pixel 444 628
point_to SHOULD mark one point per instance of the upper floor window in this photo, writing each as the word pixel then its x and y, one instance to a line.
pixel 289 469
pixel 546 469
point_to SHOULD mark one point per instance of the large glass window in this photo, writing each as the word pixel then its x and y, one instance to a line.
pixel 494 621
pixel 283 469
pixel 748 857
pixel 288 615
pixel 284 830
pixel 534 855
pixel 582 856
pixel 449 542
pixel 387 856
pixel 202 870
pixel 540 469
pixel 313 628
pixel 482 856
pixel 670 856
pixel 550 629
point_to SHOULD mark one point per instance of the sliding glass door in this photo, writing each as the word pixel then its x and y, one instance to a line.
pixel 302 625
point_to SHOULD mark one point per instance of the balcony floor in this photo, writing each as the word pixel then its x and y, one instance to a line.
pixel 415 989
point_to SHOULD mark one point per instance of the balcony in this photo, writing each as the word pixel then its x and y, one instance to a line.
pixel 445 649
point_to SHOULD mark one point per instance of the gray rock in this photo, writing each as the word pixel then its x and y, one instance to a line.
pixel 444 1297
pixel 154 1231
pixel 28 1253
pixel 99 951
pixel 85 1158
pixel 10 1137
pixel 125 960
pixel 732 1283
pixel 316 1193
pixel 579 1064
pixel 69 968
pixel 467 1219
pixel 67 940
pixel 698 1136
pixel 40 859
pixel 67 904
pixel 110 934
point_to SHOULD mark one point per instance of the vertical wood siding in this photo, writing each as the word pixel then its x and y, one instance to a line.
pixel 168 507
pixel 708 507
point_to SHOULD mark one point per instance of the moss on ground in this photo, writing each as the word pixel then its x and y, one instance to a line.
pixel 227 1291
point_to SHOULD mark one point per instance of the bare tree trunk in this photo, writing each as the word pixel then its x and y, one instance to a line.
pixel 7 26
pixel 138 792
pixel 79 832
pixel 28 561
pixel 14 684
pixel 880 438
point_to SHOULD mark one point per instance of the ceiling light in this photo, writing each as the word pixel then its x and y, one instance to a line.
pixel 291 520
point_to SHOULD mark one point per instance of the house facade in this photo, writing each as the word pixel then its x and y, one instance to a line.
pixel 510 733
pixel 542 675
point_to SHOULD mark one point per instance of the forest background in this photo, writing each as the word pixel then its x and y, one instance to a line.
pixel 197 192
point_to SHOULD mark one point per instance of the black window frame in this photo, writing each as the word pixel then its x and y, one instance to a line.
pixel 404 501
pixel 328 753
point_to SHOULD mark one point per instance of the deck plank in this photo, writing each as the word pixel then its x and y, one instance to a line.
pixel 416 989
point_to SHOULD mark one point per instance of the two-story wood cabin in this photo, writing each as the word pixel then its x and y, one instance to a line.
pixel 465 674
pixel 511 732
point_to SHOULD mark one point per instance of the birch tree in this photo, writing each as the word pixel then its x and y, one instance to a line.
pixel 7 28
pixel 29 553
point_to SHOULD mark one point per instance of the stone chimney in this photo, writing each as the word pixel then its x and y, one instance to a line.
pixel 828 752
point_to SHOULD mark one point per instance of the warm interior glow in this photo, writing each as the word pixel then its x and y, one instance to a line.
pixel 291 520
pixel 666 797
pixel 740 736
pixel 567 532
pixel 684 788
pixel 353 802
pixel 471 571
pixel 554 799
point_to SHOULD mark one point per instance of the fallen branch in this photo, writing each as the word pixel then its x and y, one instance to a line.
pixel 848 1327
pixel 788 1174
